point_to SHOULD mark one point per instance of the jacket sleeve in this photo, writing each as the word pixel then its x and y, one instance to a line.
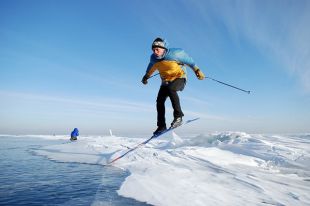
pixel 150 68
pixel 184 58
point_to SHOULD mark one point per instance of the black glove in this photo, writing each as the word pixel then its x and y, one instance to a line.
pixel 144 79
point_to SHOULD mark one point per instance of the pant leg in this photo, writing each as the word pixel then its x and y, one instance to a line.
pixel 160 105
pixel 178 84
pixel 174 87
pixel 175 101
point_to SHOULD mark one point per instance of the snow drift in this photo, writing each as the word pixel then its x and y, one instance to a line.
pixel 230 168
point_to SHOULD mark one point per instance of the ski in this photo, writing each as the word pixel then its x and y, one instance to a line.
pixel 148 140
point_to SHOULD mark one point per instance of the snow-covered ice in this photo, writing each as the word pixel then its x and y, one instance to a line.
pixel 227 168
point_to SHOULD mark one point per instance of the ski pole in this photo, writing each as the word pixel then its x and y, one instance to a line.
pixel 228 85
pixel 153 75
pixel 216 81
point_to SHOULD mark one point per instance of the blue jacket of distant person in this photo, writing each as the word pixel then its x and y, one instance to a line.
pixel 75 132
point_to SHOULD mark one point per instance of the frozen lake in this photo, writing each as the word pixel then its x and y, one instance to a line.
pixel 29 179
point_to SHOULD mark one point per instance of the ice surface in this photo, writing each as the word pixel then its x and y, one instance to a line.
pixel 228 168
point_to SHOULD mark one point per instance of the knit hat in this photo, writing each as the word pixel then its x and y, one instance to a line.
pixel 159 42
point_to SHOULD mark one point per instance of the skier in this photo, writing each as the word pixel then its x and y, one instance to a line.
pixel 74 134
pixel 170 63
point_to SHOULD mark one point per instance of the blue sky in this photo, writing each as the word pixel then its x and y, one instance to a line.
pixel 66 64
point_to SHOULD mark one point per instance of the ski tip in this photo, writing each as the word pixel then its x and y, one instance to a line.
pixel 191 120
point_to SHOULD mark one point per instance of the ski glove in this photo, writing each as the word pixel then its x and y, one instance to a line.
pixel 199 74
pixel 144 79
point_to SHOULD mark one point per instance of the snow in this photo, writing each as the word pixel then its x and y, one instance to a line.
pixel 224 168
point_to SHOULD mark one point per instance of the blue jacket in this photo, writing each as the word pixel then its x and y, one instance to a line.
pixel 171 65
pixel 75 132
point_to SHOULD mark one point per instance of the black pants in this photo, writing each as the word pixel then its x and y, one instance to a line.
pixel 169 89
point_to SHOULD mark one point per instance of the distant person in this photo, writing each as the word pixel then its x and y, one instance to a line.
pixel 74 134
pixel 170 63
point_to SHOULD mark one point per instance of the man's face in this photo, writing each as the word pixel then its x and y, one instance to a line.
pixel 158 52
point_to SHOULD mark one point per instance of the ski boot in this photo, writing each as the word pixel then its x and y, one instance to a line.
pixel 176 122
pixel 159 130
